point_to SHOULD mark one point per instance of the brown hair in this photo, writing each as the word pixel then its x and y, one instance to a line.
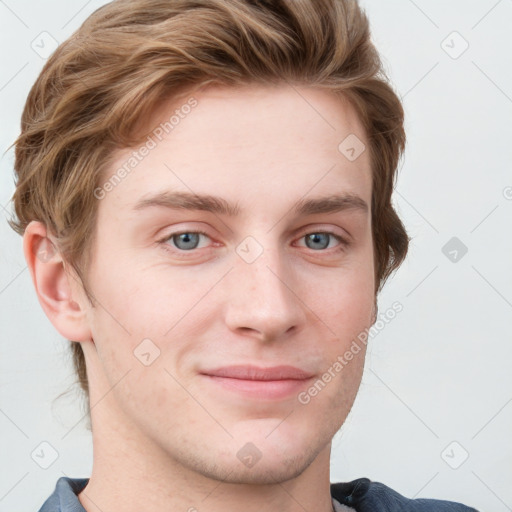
pixel 129 55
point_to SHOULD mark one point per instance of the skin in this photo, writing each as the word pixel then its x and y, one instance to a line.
pixel 165 437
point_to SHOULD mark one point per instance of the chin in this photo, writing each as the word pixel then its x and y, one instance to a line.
pixel 272 460
pixel 274 470
pixel 257 451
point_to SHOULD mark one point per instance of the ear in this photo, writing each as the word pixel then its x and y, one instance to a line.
pixel 57 295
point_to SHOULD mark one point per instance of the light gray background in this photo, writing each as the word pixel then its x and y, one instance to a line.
pixel 438 373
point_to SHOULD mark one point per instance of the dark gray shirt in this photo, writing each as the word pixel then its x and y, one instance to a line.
pixel 360 495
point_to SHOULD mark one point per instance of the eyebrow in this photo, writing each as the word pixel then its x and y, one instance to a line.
pixel 205 202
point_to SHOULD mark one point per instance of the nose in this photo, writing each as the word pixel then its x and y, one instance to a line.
pixel 262 298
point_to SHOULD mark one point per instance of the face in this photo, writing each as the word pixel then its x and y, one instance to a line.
pixel 233 267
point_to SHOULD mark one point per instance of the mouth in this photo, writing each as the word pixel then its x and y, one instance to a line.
pixel 271 383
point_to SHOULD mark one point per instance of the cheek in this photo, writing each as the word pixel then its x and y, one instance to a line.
pixel 146 326
pixel 344 302
pixel 135 302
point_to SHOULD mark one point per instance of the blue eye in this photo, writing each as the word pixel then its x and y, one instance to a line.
pixel 187 241
pixel 317 240
pixel 320 240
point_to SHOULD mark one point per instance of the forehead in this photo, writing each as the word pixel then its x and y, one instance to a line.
pixel 248 141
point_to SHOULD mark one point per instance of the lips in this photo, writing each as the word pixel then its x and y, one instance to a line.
pixel 249 372
pixel 256 383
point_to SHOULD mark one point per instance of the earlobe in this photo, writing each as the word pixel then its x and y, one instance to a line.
pixel 53 285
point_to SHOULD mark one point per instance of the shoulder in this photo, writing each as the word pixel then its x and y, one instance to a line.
pixel 363 495
pixel 65 496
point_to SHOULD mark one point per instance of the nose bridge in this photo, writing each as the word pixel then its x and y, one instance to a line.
pixel 261 290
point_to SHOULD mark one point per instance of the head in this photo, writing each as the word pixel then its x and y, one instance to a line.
pixel 251 102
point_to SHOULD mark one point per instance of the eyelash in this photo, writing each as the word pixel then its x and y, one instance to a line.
pixel 343 243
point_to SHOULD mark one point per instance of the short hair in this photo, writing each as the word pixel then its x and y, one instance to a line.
pixel 130 55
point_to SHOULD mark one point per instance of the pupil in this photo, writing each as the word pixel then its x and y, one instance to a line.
pixel 317 237
pixel 187 240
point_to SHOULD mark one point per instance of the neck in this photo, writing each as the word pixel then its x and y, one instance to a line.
pixel 130 476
